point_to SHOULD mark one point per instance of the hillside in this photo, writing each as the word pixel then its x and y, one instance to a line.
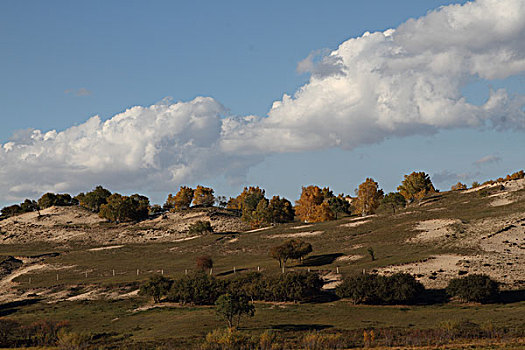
pixel 70 255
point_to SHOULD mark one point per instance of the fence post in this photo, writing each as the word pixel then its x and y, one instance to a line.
pixel 258 268
pixel 186 271
pixel 234 271
pixel 337 269
pixel 137 272
pixel 57 276
pixel 86 274
pixel 162 272
pixel 211 270
pixel 113 272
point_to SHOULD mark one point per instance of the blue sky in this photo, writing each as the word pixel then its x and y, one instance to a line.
pixel 62 62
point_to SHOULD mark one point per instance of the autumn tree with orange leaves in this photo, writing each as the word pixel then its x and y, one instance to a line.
pixel 369 197
pixel 182 200
pixel 203 196
pixel 312 206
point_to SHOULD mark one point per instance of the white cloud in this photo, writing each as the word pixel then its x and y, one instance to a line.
pixel 447 177
pixel 395 83
pixel 401 82
pixel 490 159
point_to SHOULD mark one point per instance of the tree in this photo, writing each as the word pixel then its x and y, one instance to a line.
pixel 311 206
pixel 29 205
pixel 50 199
pixel 459 186
pixel 200 227
pixel 393 200
pixel 290 249
pixel 182 200
pixel 204 262
pixel 94 199
pixel 231 307
pixel 338 205
pixel 281 210
pixel 11 210
pixel 122 208
pixel 368 197
pixel 203 196
pixel 476 287
pixel 416 186
pixel 156 287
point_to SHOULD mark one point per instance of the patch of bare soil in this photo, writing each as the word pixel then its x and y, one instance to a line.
pixel 434 229
pixel 64 224
pixel 331 280
pixel 298 234
pixel 350 258
pixel 354 224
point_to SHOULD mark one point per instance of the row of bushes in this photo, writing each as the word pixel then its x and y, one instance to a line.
pixel 402 288
pixel 447 332
pixel 204 289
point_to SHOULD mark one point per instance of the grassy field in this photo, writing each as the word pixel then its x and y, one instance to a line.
pixel 81 269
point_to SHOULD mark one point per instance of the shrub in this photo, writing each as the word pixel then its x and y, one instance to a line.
pixel 318 341
pixel 227 339
pixel 200 227
pixel 474 288
pixel 94 199
pixel 459 186
pixel 199 289
pixel 156 287
pixel 204 262
pixel 400 288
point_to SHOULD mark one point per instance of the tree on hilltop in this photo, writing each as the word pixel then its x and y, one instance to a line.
pixel 182 200
pixel 369 197
pixel 416 186
pixel 203 196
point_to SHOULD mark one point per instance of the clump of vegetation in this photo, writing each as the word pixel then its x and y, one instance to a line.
pixel 295 249
pixel 458 187
pixel 182 200
pixel 393 201
pixel 226 339
pixel 474 288
pixel 123 208
pixel 204 263
pixel 416 186
pixel 93 200
pixel 259 211
pixel 157 287
pixel 198 289
pixel 319 205
pixel 369 197
pixel 200 227
pixel 232 307
pixel 51 199
pixel 203 196
pixel 320 341
pixel 26 206
pixel 400 288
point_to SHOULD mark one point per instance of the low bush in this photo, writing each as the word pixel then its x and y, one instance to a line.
pixel 400 288
pixel 474 288
pixel 199 289
pixel 200 227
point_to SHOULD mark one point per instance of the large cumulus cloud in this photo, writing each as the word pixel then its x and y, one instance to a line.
pixel 400 82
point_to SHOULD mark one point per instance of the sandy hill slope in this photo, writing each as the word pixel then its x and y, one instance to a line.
pixel 64 224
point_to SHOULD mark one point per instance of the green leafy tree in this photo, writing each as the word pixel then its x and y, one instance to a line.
pixel 416 186
pixel 393 201
pixel 281 210
pixel 93 200
pixel 476 288
pixel 11 210
pixel 200 227
pixel 339 205
pixel 157 287
pixel 123 208
pixel 291 249
pixel 231 307
pixel 51 199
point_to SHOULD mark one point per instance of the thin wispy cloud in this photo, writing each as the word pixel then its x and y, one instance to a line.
pixel 400 82
pixel 447 177
pixel 78 92
pixel 490 159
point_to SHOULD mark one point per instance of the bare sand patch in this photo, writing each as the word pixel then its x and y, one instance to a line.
pixel 354 224
pixel 259 229
pixel 298 234
pixel 502 201
pixel 433 229
pixel 350 257
pixel 185 239
pixel 301 227
pixel 233 240
pixel 105 248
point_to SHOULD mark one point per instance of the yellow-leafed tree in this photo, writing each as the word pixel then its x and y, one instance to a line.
pixel 311 206
pixel 458 186
pixel 203 196
pixel 182 200
pixel 369 197
pixel 416 186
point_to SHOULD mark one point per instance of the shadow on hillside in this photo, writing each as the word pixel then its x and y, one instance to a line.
pixel 512 296
pixel 13 306
pixel 230 272
pixel 320 260
pixel 300 327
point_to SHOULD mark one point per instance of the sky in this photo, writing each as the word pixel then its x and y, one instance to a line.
pixel 147 96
